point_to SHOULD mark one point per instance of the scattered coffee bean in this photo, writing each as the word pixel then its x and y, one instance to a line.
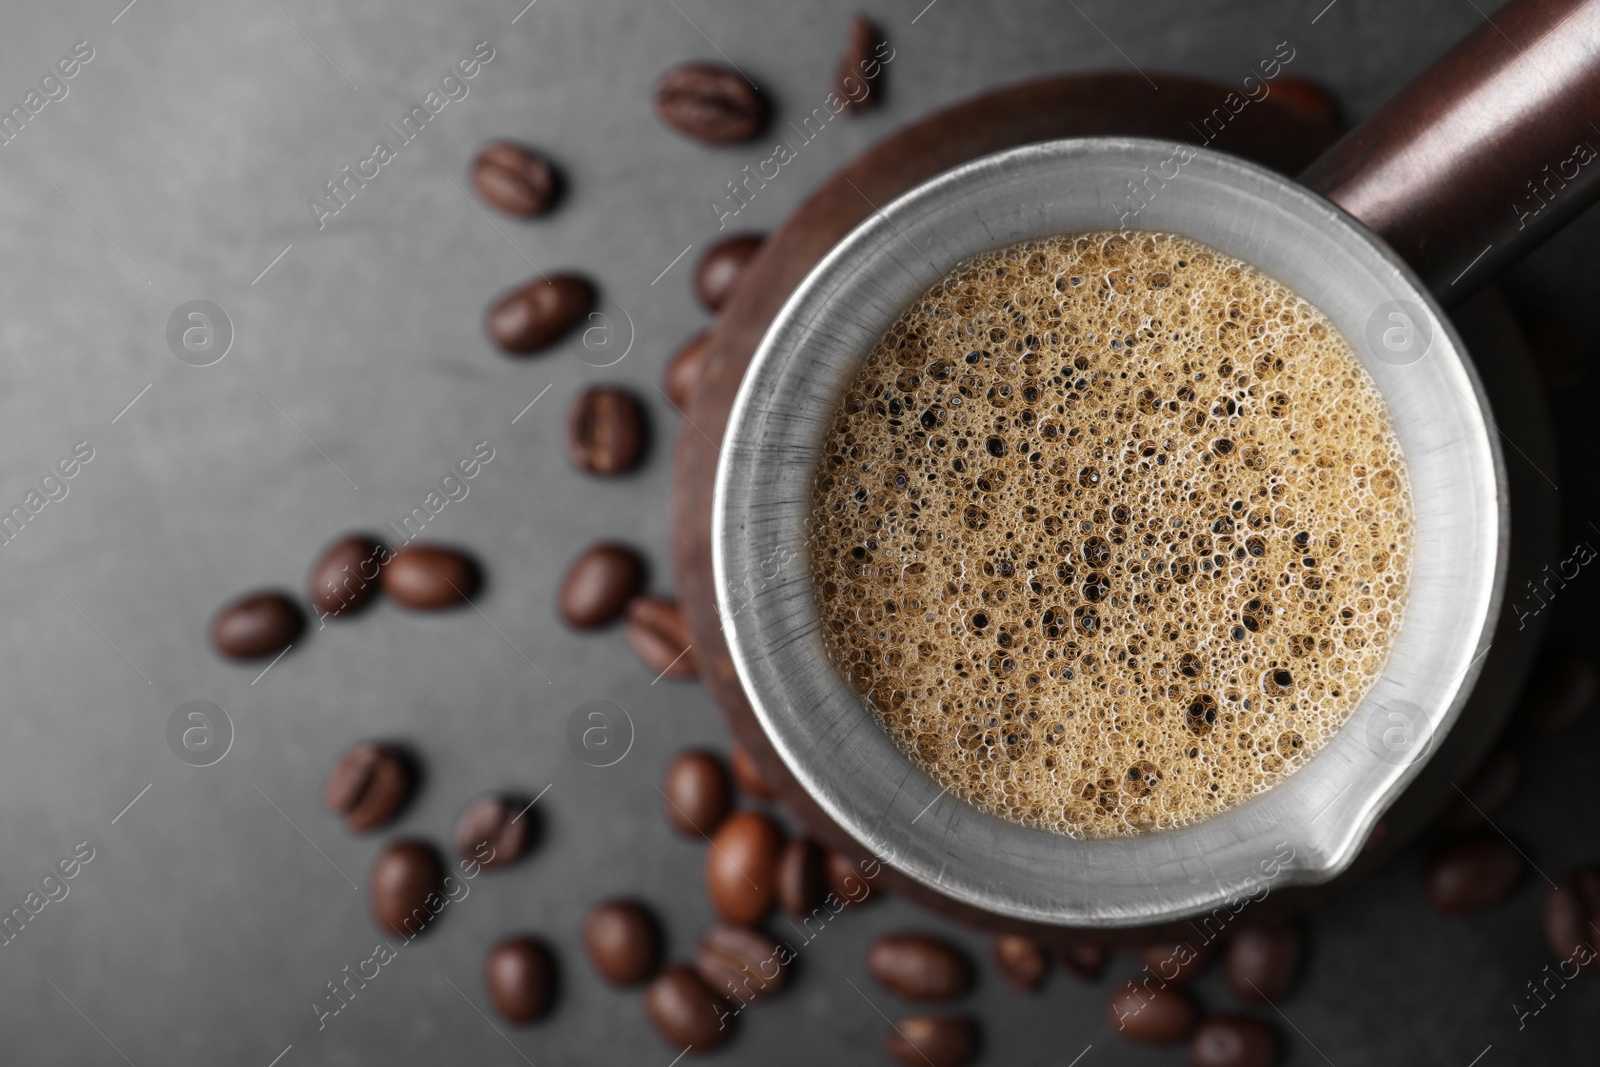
pixel 659 635
pixel 1563 688
pixel 605 431
pixel 801 882
pixel 684 1011
pixel 932 1041
pixel 404 887
pixel 431 578
pixel 747 775
pixel 720 267
pixel 1571 917
pixel 696 795
pixel 855 80
pixel 520 978
pixel 257 625
pixel 1489 791
pixel 710 103
pixel 847 880
pixel 623 940
pixel 1177 961
pixel 495 831
pixel 1022 962
pixel 1085 961
pixel 538 314
pixel 1261 962
pixel 741 867
pixel 1311 100
pixel 919 967
pixel 1472 874
pixel 740 965
pixel 369 785
pixel 515 179
pixel 599 585
pixel 344 581
pixel 1233 1041
pixel 686 369
pixel 1559 352
pixel 1152 1016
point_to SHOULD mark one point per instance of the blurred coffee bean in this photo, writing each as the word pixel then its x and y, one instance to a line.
pixel 747 776
pixel 520 978
pixel 801 883
pixel 741 867
pixel 344 581
pixel 1261 962
pixel 710 103
pixel 495 831
pixel 1152 1016
pixel 515 179
pixel 538 314
pixel 1490 790
pixel 431 578
pixel 1085 961
pixel 685 1012
pixel 720 267
pixel 1375 836
pixel 623 940
pixel 368 786
pixel 932 1041
pixel 740 965
pixel 605 431
pixel 1233 1041
pixel 1472 874
pixel 1563 688
pixel 257 625
pixel 1022 962
pixel 855 79
pixel 696 795
pixel 405 886
pixel 1560 351
pixel 1177 961
pixel 659 636
pixel 599 585
pixel 1310 99
pixel 848 882
pixel 1572 918
pixel 685 370
pixel 919 967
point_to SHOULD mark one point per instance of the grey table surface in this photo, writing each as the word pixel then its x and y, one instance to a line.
pixel 219 904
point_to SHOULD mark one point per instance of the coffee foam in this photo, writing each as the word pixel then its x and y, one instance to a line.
pixel 1111 531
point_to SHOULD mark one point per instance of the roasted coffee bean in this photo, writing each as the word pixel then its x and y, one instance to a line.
pixel 685 1012
pixel 659 635
pixel 741 867
pixel 599 585
pixel 688 366
pixel 710 103
pixel 696 794
pixel 1489 791
pixel 855 80
pixel 605 431
pixel 919 967
pixel 515 179
pixel 740 965
pixel 1152 1016
pixel 1022 962
pixel 1261 962
pixel 801 882
pixel 623 940
pixel 495 831
pixel 1472 874
pixel 1375 836
pixel 720 267
pixel 1572 918
pixel 1563 688
pixel 847 880
pixel 520 977
pixel 257 625
pixel 344 581
pixel 1233 1041
pixel 932 1041
pixel 538 314
pixel 369 785
pixel 747 775
pixel 1176 961
pixel 431 578
pixel 1311 100
pixel 1086 961
pixel 405 887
